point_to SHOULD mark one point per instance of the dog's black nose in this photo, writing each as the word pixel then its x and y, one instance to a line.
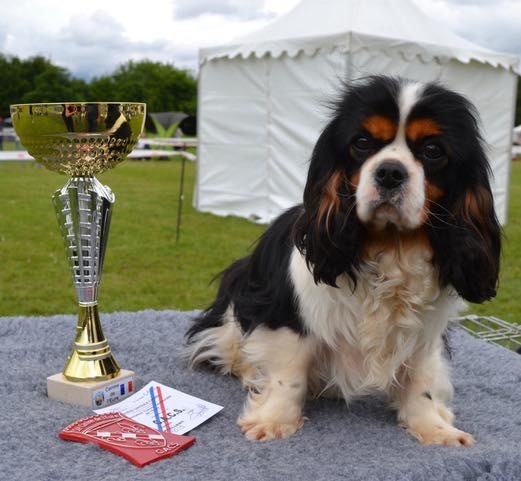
pixel 390 175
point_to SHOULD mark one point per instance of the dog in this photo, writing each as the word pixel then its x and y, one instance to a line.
pixel 349 293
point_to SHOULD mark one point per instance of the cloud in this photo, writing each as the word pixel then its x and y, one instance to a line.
pixel 94 42
pixel 493 25
pixel 473 2
pixel 3 36
pixel 240 9
pixel 94 45
pixel 99 28
pixel 497 27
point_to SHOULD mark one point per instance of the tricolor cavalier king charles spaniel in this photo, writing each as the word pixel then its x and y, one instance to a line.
pixel 350 293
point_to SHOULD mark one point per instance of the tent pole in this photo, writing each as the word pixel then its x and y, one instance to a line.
pixel 181 198
pixel 510 160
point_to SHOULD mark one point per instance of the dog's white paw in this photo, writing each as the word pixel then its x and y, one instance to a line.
pixel 257 430
pixel 446 435
pixel 446 414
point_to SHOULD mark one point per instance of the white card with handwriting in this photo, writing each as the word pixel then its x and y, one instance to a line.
pixel 164 408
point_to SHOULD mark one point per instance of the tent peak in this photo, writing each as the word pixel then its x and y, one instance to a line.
pixel 313 24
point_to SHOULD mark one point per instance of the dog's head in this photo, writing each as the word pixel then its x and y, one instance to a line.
pixel 402 157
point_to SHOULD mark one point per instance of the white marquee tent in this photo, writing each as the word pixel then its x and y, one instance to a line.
pixel 262 100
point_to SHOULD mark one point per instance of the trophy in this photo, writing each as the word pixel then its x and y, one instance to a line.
pixel 80 140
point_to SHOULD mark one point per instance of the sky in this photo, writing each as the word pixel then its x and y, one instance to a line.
pixel 91 38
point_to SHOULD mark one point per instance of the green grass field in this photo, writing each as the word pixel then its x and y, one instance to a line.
pixel 144 268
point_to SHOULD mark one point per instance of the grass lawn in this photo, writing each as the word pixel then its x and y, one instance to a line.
pixel 507 304
pixel 144 268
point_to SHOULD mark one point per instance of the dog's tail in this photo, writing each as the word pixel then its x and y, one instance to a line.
pixel 212 317
pixel 215 336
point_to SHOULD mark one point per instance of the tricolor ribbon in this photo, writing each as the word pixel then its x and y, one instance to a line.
pixel 158 394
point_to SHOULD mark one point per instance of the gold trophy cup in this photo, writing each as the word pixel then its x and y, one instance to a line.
pixel 80 140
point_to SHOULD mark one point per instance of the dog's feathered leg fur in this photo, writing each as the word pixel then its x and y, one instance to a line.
pixel 421 398
pixel 274 405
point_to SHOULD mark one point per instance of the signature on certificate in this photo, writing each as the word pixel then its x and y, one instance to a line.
pixel 197 411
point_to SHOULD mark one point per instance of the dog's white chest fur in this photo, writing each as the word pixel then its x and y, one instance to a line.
pixel 365 338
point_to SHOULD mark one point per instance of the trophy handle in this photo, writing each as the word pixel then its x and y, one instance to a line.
pixel 83 208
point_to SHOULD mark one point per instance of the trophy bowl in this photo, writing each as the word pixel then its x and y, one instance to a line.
pixel 81 139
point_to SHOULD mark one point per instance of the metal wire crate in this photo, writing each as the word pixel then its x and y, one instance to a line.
pixel 493 329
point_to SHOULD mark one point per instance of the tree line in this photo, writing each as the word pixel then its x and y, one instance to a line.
pixel 162 86
pixel 36 79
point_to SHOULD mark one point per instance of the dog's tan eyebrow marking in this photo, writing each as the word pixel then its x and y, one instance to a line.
pixel 419 128
pixel 380 127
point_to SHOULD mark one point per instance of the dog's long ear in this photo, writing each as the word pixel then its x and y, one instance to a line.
pixel 466 237
pixel 328 233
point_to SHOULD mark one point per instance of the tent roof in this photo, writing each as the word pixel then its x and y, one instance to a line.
pixel 313 24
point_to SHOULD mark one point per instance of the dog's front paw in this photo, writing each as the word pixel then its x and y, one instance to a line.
pixel 257 430
pixel 442 434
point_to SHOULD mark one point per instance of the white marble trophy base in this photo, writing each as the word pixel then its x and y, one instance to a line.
pixel 94 394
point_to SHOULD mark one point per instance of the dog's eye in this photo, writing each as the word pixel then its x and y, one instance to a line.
pixel 363 144
pixel 433 151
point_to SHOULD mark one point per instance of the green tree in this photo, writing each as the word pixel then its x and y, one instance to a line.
pixel 36 79
pixel 54 84
pixel 162 86
pixel 102 89
pixel 17 79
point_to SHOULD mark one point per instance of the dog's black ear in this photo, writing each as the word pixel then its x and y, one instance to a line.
pixel 466 237
pixel 328 232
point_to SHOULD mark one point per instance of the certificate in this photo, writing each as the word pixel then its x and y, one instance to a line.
pixel 164 408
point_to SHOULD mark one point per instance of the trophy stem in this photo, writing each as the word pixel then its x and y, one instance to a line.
pixel 90 358
pixel 83 208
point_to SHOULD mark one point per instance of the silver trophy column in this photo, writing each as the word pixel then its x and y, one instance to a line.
pixel 83 208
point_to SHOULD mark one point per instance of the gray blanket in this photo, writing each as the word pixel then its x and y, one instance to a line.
pixel 362 442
